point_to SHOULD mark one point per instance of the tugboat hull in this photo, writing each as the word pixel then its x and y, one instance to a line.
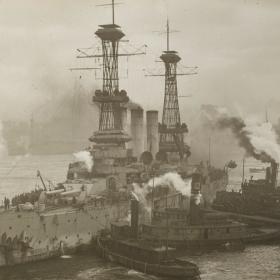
pixel 173 268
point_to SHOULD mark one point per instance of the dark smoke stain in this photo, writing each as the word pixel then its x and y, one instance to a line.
pixel 237 125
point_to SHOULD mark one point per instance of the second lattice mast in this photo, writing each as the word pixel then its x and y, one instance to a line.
pixel 171 129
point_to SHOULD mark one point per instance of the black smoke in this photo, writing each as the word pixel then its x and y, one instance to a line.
pixel 237 127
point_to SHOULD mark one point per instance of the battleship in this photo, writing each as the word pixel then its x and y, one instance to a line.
pixel 98 187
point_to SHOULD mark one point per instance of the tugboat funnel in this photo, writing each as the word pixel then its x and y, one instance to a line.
pixel 274 173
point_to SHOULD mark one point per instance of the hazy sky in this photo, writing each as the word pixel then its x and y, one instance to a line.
pixel 235 44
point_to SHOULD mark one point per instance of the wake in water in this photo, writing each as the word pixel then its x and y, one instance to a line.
pixel 66 257
pixel 113 273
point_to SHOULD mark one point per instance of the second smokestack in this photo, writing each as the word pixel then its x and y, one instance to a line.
pixel 137 131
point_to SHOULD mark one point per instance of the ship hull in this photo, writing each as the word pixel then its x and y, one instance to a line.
pixel 32 236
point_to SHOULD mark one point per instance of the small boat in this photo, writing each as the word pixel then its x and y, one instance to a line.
pixel 134 255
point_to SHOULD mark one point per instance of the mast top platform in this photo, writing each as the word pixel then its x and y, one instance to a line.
pixel 170 52
pixel 110 32
pixel 170 57
pixel 110 25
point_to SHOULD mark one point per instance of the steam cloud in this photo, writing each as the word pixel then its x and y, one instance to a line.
pixel 141 194
pixel 170 179
pixel 258 140
pixel 173 180
pixel 85 156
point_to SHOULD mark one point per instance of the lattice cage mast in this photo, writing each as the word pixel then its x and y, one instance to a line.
pixel 171 129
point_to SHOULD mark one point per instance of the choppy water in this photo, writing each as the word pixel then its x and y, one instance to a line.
pixel 18 174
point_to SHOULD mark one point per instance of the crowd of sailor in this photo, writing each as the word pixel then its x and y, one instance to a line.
pixel 76 195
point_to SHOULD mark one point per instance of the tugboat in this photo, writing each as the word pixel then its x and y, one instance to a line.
pixel 184 223
pixel 256 197
pixel 124 246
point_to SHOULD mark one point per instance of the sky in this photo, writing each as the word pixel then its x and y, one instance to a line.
pixel 234 43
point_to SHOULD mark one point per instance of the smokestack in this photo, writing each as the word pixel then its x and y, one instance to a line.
pixel 274 173
pixel 134 208
pixel 152 132
pixel 137 131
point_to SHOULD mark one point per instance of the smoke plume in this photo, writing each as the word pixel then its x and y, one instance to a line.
pixel 258 140
pixel 132 105
pixel 205 139
pixel 85 156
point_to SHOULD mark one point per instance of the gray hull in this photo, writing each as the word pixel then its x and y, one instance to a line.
pixel 30 236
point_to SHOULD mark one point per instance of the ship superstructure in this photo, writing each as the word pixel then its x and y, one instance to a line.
pixel 110 98
pixel 110 152
pixel 110 138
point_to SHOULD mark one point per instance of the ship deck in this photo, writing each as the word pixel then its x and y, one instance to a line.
pixel 47 212
pixel 252 218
